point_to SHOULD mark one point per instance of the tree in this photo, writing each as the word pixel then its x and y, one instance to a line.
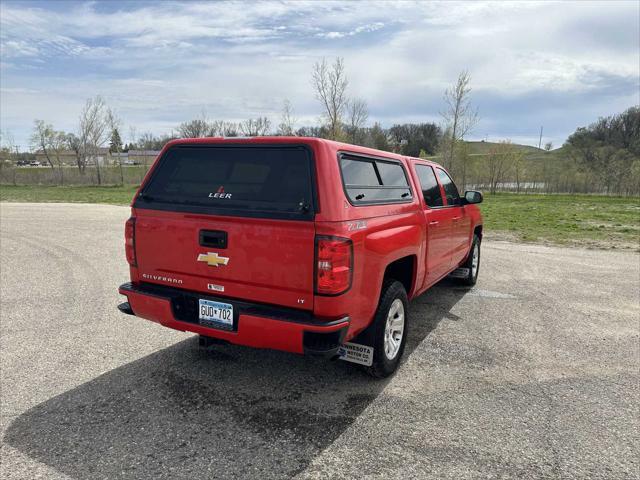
pixel 462 154
pixel 133 137
pixel 287 120
pixel 57 144
pixel 7 146
pixel 94 132
pixel 377 137
pixel 74 144
pixel 548 146
pixel 516 161
pixel 315 132
pixel 148 141
pixel 196 128
pixel 224 128
pixel 357 115
pixel 459 116
pixel 607 150
pixel 414 137
pixel 41 138
pixel 115 144
pixel 499 159
pixel 9 156
pixel 255 127
pixel 330 85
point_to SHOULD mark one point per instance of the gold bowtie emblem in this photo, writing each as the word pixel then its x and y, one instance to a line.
pixel 212 259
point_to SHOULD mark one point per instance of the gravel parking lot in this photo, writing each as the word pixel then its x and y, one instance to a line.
pixel 532 374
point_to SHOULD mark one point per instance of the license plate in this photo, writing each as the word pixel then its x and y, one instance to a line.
pixel 215 314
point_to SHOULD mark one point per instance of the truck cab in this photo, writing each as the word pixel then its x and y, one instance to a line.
pixel 298 244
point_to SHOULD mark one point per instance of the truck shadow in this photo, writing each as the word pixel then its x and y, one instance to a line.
pixel 229 412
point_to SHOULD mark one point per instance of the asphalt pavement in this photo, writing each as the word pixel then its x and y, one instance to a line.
pixel 534 373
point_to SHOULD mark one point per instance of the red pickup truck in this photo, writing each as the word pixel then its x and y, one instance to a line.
pixel 297 244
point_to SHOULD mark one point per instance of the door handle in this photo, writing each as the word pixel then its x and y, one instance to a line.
pixel 213 238
pixel 434 222
pixel 456 218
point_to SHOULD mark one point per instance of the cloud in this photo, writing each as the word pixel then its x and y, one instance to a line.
pixel 372 27
pixel 164 62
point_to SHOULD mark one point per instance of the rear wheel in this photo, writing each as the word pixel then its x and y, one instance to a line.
pixel 390 324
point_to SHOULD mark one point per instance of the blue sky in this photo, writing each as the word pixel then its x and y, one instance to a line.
pixel 557 64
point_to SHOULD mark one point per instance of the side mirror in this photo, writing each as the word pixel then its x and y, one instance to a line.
pixel 472 196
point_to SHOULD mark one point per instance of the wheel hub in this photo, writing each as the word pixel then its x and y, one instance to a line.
pixel 394 329
pixel 475 260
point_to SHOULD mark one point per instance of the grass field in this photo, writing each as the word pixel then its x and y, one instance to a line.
pixel 588 220
pixel 38 194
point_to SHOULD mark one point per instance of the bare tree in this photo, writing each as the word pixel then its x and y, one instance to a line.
pixel 133 136
pixel 224 128
pixel 499 160
pixel 548 146
pixel 8 156
pixel 459 116
pixel 255 127
pixel 58 144
pixel 7 146
pixel 516 162
pixel 287 121
pixel 41 138
pixel 196 128
pixel 74 144
pixel 357 115
pixel 330 85
pixel 116 144
pixel 94 132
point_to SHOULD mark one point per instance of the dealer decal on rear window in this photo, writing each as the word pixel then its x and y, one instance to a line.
pixel 220 193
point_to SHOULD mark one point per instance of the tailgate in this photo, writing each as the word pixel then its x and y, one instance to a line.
pixel 266 261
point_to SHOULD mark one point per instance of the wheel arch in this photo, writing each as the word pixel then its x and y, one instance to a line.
pixel 404 270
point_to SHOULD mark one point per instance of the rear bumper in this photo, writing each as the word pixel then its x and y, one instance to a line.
pixel 255 325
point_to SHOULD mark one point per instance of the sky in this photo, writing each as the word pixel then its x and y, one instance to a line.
pixel 559 65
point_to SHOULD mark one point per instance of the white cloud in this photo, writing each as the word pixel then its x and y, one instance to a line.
pixel 161 63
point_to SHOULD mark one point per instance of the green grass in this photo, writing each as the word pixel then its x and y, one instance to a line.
pixel 589 220
pixel 39 194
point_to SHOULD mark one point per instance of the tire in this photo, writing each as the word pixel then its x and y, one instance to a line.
pixel 387 355
pixel 474 257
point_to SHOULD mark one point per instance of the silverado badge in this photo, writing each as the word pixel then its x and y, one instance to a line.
pixel 212 259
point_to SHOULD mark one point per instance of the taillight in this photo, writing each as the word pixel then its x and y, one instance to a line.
pixel 334 265
pixel 130 241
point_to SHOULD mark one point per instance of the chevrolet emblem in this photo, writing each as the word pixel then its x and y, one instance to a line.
pixel 212 259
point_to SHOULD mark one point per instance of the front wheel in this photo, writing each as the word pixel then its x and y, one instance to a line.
pixel 472 264
pixel 390 323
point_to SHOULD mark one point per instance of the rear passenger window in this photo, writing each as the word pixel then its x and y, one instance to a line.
pixel 429 186
pixel 368 180
pixel 356 172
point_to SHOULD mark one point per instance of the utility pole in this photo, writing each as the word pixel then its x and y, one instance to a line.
pixel 540 141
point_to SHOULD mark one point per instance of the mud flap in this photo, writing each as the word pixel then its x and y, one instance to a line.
pixel 356 353
pixel 360 349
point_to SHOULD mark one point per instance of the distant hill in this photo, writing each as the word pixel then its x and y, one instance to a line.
pixel 485 147
pixel 531 153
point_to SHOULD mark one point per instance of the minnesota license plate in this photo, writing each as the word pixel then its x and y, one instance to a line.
pixel 215 314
